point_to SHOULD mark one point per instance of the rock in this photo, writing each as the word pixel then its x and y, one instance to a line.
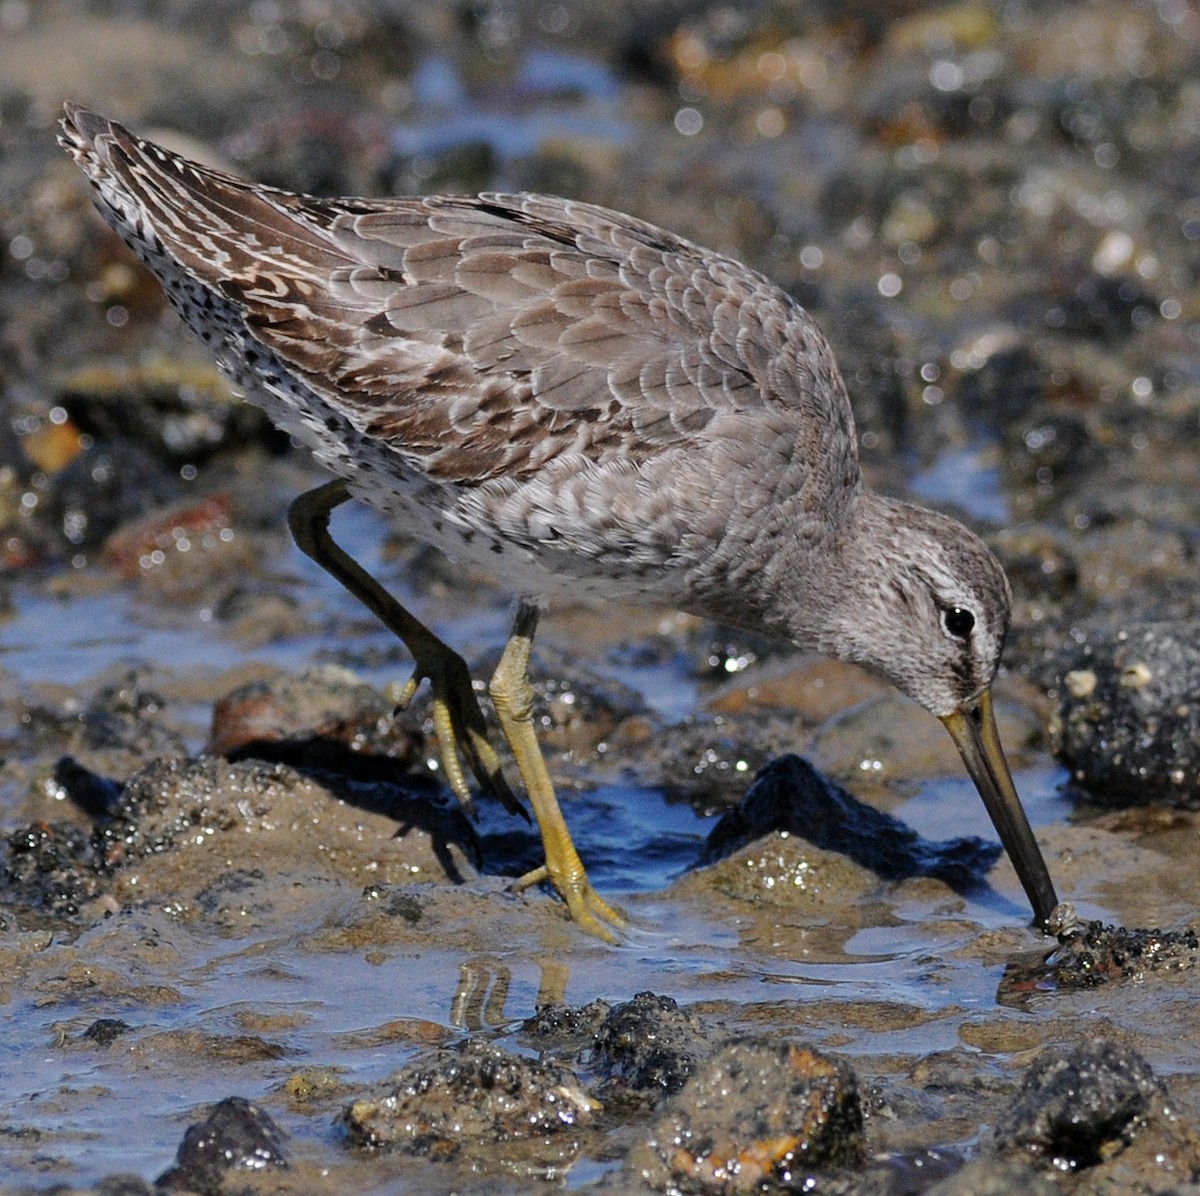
pixel 1075 1110
pixel 323 718
pixel 1092 954
pixel 237 1136
pixel 790 795
pixel 469 1101
pixel 648 1046
pixel 758 1116
pixel 1128 721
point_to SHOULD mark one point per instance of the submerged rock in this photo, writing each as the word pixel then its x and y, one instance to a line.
pixel 469 1101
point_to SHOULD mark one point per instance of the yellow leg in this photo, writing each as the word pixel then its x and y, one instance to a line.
pixel 512 696
pixel 457 717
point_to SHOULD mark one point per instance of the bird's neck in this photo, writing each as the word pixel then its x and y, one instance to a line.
pixel 847 577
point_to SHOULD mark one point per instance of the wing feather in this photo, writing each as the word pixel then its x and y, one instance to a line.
pixel 483 336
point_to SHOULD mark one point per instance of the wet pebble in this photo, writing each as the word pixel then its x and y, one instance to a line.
pixel 759 1116
pixel 638 1051
pixel 236 1140
pixel 104 1031
pixel 1128 720
pixel 565 1029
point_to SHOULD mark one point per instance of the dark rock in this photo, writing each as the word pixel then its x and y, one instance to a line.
pixel 640 1050
pixel 95 795
pixel 758 1116
pixel 565 1028
pixel 1078 1109
pixel 1128 721
pixel 1093 954
pixel 790 795
pixel 648 1046
pixel 106 1030
pixel 50 867
pixel 237 1136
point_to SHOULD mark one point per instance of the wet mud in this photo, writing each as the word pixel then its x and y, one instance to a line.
pixel 249 940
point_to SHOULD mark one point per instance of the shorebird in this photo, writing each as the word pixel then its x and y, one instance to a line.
pixel 586 405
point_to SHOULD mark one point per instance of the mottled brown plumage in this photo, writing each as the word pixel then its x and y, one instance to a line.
pixel 581 402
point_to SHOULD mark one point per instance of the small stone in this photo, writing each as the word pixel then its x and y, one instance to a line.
pixel 1136 676
pixel 237 1136
pixel 1080 683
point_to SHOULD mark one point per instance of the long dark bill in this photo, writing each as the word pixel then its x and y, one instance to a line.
pixel 973 729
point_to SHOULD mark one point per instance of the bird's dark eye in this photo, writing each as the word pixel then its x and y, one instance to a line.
pixel 958 621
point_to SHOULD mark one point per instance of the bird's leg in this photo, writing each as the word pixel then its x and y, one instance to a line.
pixel 512 697
pixel 457 717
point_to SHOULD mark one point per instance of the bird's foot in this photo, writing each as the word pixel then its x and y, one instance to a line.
pixel 460 727
pixel 588 910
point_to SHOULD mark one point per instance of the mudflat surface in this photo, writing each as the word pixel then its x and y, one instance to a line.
pixel 234 894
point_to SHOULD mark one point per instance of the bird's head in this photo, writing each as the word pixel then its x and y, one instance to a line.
pixel 920 599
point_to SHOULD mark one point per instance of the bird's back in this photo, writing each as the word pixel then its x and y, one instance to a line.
pixel 537 372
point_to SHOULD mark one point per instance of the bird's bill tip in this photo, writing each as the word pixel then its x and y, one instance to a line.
pixel 972 726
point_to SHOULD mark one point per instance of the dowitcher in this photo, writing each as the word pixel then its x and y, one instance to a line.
pixel 587 406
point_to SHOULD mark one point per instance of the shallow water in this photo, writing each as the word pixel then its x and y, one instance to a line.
pixel 899 988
